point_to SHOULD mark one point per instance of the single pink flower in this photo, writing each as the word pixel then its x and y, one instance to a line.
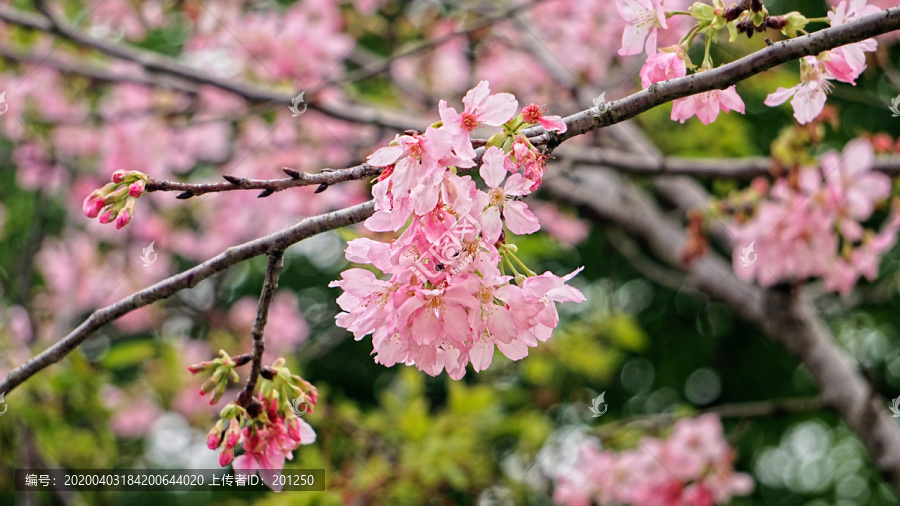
pixel 532 113
pixel 481 108
pixel 707 105
pixel 663 66
pixel 809 96
pixel 643 18
pixel 855 186
pixel 499 201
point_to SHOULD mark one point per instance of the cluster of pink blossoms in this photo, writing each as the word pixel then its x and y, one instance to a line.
pixel 692 467
pixel 844 64
pixel 816 227
pixel 644 17
pixel 449 300
pixel 671 63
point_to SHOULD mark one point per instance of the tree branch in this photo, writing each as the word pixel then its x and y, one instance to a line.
pixel 731 168
pixel 384 65
pixel 324 179
pixel 187 279
pixel 157 63
pixel 611 199
pixel 721 77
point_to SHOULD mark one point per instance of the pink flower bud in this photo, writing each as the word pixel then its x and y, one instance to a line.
pixel 200 367
pixel 208 385
pixel 119 176
pixel 123 218
pixel 226 457
pixel 108 216
pixel 214 437
pixel 93 204
pixel 233 435
pixel 136 189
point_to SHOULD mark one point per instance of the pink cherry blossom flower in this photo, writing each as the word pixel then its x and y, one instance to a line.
pixel 643 18
pixel 481 108
pixel 499 200
pixel 809 96
pixel 696 452
pixel 851 181
pixel 532 113
pixel 662 66
pixel 707 105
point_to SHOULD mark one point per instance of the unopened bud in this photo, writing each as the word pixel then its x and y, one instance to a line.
pixel 137 188
pixel 119 176
pixel 214 437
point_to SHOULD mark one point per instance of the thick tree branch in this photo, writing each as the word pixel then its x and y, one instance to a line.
pixel 384 65
pixel 611 199
pixel 187 279
pixel 731 168
pixel 722 77
pixel 157 63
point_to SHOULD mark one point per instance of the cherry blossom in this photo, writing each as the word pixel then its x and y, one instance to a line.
pixel 816 227
pixel 643 18
pixel 693 465
pixel 707 105
pixel 448 301
pixel 810 95
pixel 664 65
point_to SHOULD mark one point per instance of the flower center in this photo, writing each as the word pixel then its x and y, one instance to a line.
pixel 469 121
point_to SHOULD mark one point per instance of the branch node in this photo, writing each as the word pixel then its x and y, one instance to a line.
pixel 291 172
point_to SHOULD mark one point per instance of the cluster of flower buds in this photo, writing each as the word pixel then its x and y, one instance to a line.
pixel 268 425
pixel 116 200
pixel 293 391
pixel 223 369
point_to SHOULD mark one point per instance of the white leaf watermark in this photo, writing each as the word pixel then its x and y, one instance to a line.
pixel 295 105
pixel 595 405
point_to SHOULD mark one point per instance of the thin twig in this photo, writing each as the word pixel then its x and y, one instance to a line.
pixel 327 178
pixel 273 271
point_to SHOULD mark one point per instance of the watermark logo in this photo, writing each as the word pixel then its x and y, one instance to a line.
pixel 3 105
pixel 3 403
pixel 895 107
pixel 444 252
pixel 600 104
pixel 748 257
pixel 149 256
pixel 894 407
pixel 298 101
pixel 299 405
pixel 595 406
